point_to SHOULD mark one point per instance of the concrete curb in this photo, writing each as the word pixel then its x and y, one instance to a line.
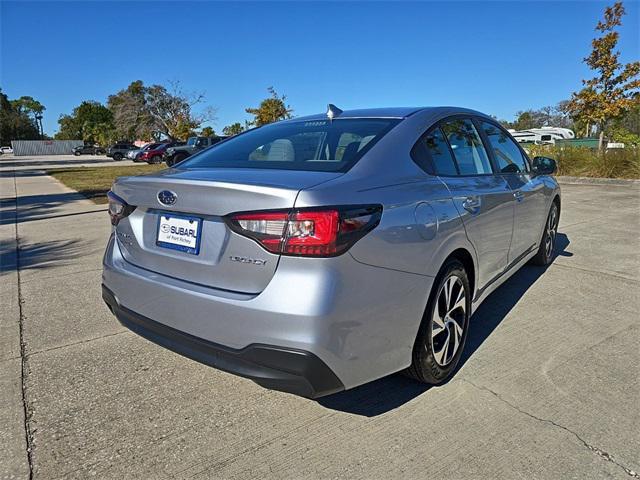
pixel 596 181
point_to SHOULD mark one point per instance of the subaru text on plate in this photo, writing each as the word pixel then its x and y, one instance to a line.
pixel 316 254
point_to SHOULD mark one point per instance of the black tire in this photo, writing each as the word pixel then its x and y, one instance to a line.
pixel 178 157
pixel 431 364
pixel 155 159
pixel 117 157
pixel 77 154
pixel 546 250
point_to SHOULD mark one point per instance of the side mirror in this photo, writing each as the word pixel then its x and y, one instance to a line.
pixel 544 166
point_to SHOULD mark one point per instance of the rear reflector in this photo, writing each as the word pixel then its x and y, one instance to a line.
pixel 309 232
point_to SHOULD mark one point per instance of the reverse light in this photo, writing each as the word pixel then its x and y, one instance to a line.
pixel 118 208
pixel 309 232
pixel 266 228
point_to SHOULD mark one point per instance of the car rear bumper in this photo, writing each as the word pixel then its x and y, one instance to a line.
pixel 359 321
pixel 289 370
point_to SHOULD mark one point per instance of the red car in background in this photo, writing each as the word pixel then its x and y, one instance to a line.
pixel 153 153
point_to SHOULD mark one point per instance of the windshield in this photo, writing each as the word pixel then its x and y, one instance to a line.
pixel 319 145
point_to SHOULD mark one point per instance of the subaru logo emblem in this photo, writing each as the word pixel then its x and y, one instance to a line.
pixel 167 197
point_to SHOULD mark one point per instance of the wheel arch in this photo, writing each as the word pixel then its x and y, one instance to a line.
pixel 464 256
pixel 459 247
pixel 558 202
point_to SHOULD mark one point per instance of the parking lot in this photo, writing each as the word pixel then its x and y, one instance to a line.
pixel 548 386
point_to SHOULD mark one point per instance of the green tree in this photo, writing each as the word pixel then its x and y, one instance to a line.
pixel 614 89
pixel 6 120
pixel 552 116
pixel 18 119
pixel 525 120
pixel 28 105
pixel 207 132
pixel 626 129
pixel 32 108
pixel 90 121
pixel 503 122
pixel 271 109
pixel 233 129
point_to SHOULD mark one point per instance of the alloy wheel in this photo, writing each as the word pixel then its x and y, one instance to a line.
pixel 552 230
pixel 448 320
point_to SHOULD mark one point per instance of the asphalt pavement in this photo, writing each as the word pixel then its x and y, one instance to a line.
pixel 548 388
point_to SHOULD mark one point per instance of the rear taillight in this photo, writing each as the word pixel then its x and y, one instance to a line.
pixel 118 208
pixel 307 232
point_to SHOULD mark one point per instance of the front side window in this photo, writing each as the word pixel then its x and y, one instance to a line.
pixel 317 145
pixel 508 156
pixel 467 147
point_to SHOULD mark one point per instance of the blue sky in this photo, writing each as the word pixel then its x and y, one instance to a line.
pixel 497 57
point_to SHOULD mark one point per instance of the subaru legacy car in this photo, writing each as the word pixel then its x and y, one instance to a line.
pixel 316 254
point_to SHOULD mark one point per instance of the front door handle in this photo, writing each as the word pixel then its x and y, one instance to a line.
pixel 471 204
pixel 519 196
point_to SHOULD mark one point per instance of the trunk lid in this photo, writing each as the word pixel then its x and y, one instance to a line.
pixel 223 259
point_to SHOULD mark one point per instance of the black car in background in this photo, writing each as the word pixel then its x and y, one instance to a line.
pixel 87 150
pixel 173 155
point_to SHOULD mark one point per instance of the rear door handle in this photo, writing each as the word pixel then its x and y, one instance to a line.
pixel 471 204
pixel 519 196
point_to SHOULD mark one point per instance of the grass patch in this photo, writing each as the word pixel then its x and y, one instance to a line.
pixel 95 182
pixel 585 162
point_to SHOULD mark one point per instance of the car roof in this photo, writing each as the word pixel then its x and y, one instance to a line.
pixel 392 112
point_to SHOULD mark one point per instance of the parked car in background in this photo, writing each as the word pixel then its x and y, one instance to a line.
pixel 154 154
pixel 6 150
pixel 88 150
pixel 174 155
pixel 316 254
pixel 135 154
pixel 119 150
pixel 132 154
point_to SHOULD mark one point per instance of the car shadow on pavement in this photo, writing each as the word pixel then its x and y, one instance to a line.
pixel 39 207
pixel 388 393
pixel 38 255
pixel 47 163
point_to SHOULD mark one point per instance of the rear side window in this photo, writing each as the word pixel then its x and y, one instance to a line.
pixel 467 147
pixel 433 147
pixel 318 145
pixel 508 156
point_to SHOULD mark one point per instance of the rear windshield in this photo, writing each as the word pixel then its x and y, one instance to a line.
pixel 319 145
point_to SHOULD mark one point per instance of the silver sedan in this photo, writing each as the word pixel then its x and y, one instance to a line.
pixel 316 254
